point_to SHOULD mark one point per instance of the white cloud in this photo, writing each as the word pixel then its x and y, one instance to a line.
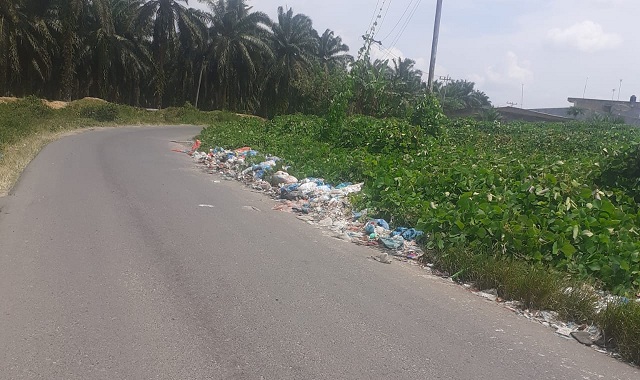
pixel 378 52
pixel 517 70
pixel 586 36
pixel 511 71
pixel 478 79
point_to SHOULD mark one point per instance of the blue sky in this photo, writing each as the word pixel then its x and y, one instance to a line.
pixel 549 46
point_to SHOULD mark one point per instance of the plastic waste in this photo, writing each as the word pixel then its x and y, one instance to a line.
pixel 407 233
pixel 281 177
pixel 308 187
pixel 242 151
pixel 324 188
pixel 382 223
pixel 370 227
pixel 289 188
pixel 394 242
pixel 317 181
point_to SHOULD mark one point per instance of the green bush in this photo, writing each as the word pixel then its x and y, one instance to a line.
pixel 19 119
pixel 622 170
pixel 389 136
pixel 428 115
pixel 100 112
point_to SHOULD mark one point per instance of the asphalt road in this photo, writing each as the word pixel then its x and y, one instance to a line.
pixel 110 269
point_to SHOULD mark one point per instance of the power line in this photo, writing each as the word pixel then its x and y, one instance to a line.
pixel 406 23
pixel 373 17
pixel 385 15
pixel 387 52
pixel 399 20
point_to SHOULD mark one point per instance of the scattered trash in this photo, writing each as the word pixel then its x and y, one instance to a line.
pixel 395 242
pixel 407 233
pixel 281 177
pixel 209 206
pixel 326 222
pixel 383 258
pixel 489 296
pixel 564 331
pixel 194 148
pixel 382 223
pixel 313 199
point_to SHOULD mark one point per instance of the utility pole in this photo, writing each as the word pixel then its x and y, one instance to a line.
pixel 445 80
pixel 434 46
pixel 613 93
pixel 619 88
pixel 585 87
pixel 204 63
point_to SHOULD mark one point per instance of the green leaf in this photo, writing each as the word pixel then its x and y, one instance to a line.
pixel 624 265
pixel 568 249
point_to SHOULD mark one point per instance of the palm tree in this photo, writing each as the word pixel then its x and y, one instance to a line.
pixel 332 52
pixel 295 43
pixel 24 44
pixel 236 52
pixel 172 23
pixel 406 79
pixel 460 94
pixel 120 58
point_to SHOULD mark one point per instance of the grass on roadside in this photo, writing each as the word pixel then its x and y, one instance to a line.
pixel 620 322
pixel 540 288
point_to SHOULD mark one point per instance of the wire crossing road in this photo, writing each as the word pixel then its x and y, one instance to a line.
pixel 111 269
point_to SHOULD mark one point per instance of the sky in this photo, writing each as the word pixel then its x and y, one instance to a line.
pixel 546 50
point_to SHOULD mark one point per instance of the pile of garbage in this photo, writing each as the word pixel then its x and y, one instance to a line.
pixel 312 199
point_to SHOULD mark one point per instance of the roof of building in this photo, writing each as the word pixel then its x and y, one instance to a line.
pixel 530 115
pixel 573 100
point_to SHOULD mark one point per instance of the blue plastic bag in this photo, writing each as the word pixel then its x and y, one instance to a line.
pixel 407 233
pixel 382 223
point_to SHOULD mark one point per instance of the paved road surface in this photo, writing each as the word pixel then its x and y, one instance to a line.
pixel 109 269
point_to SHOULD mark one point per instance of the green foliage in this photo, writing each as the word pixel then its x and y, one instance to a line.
pixel 100 112
pixel 428 115
pixel 622 170
pixel 20 118
pixel 459 95
pixel 606 118
pixel 575 111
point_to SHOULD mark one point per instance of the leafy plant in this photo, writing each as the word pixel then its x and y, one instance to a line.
pixel 100 112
